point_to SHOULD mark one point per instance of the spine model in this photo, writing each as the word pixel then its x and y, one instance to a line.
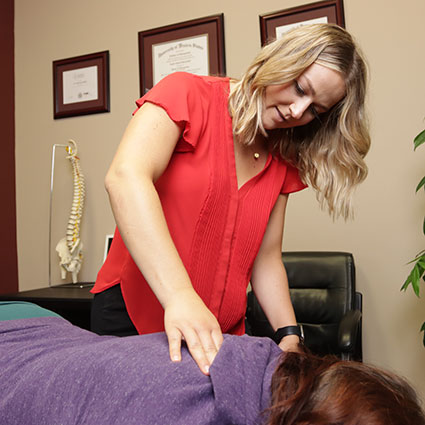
pixel 70 247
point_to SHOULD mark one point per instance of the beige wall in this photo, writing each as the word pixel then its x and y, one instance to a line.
pixel 387 230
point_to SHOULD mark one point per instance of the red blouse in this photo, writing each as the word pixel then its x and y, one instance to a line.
pixel 217 229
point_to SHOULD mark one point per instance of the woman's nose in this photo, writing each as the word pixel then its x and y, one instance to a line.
pixel 298 108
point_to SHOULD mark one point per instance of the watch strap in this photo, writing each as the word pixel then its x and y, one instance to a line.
pixel 288 330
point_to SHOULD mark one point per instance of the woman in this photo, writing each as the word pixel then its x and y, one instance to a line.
pixel 310 390
pixel 52 372
pixel 200 182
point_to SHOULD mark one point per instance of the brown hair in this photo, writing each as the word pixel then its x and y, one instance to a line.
pixel 310 390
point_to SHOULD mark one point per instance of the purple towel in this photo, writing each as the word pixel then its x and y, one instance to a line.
pixel 53 373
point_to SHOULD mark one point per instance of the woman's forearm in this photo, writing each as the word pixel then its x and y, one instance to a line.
pixel 270 286
pixel 269 279
pixel 272 292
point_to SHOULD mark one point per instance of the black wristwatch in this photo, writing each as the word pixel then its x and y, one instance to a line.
pixel 288 330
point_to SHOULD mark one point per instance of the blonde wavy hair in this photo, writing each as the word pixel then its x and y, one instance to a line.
pixel 329 153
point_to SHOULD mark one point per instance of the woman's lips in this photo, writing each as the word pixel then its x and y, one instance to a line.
pixel 280 114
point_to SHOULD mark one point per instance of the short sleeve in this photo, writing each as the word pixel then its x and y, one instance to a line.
pixel 184 97
pixel 292 182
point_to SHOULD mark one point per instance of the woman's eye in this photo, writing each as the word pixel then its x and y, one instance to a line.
pixel 312 108
pixel 299 89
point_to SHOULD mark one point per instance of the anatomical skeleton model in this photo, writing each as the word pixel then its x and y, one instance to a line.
pixel 70 247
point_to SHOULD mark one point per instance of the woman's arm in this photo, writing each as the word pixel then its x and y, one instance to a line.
pixel 143 155
pixel 269 280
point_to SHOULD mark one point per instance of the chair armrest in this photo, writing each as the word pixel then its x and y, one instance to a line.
pixel 348 331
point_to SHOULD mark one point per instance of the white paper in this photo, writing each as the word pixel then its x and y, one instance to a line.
pixel 80 85
pixel 284 28
pixel 187 54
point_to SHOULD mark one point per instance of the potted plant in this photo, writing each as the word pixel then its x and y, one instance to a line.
pixel 418 270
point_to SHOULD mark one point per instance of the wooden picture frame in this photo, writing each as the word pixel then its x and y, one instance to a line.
pixel 81 85
pixel 195 46
pixel 273 24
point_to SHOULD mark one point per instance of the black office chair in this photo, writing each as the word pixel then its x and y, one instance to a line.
pixel 326 304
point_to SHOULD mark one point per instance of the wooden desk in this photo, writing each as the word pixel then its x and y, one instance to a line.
pixel 72 303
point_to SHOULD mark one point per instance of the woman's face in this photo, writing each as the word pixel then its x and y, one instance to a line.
pixel 297 103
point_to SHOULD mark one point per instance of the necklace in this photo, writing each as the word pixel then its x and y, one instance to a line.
pixel 259 143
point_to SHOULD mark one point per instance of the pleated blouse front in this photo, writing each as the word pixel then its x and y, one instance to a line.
pixel 217 229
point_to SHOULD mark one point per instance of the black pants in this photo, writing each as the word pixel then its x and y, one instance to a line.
pixel 109 315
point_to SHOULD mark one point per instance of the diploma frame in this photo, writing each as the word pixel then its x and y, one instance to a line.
pixel 333 10
pixel 211 25
pixel 100 104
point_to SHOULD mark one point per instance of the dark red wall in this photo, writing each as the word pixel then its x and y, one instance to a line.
pixel 8 251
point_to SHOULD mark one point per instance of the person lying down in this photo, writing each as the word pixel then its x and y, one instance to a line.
pixel 52 372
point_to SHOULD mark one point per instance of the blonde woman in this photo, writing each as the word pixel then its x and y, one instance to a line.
pixel 200 182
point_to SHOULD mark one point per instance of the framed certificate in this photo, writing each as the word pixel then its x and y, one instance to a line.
pixel 195 46
pixel 81 85
pixel 273 25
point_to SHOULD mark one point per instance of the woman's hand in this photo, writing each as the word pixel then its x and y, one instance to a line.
pixel 290 343
pixel 187 317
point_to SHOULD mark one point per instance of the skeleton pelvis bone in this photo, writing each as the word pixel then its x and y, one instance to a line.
pixel 70 260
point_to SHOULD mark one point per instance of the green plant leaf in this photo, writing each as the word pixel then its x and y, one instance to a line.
pixel 406 283
pixel 421 263
pixel 419 256
pixel 420 184
pixel 419 139
pixel 417 272
pixel 414 278
pixel 416 275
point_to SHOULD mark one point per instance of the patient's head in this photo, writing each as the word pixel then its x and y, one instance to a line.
pixel 308 390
